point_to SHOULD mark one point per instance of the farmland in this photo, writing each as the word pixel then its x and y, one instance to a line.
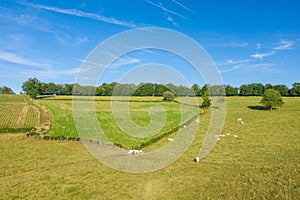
pixel 17 113
pixel 60 109
pixel 262 162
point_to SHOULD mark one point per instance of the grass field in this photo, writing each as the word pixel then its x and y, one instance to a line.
pixel 61 115
pixel 262 162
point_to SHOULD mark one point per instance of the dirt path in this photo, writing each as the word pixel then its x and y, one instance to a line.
pixel 22 116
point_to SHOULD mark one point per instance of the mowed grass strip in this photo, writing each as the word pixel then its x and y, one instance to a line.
pixel 255 165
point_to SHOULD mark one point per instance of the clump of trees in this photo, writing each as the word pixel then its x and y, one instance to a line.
pixel 6 90
pixel 271 99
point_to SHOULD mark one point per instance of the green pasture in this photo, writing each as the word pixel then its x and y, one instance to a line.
pixel 62 123
pixel 261 162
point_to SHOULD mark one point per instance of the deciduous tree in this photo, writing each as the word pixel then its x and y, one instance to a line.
pixel 271 99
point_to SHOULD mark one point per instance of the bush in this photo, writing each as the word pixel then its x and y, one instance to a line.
pixel 46 137
pixel 168 96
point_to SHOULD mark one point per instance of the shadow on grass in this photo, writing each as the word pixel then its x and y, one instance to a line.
pixel 259 108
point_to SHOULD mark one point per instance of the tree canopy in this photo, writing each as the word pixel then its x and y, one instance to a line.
pixel 6 90
pixel 271 99
pixel 168 96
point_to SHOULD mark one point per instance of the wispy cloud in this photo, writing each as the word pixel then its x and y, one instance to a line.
pixel 235 67
pixel 260 66
pixel 14 58
pixel 249 66
pixel 258 46
pixel 81 39
pixel 230 44
pixel 160 6
pixel 183 6
pixel 260 56
pixel 79 13
pixel 284 44
pixel 235 62
pixel 122 61
pixel 125 61
pixel 30 21
pixel 170 19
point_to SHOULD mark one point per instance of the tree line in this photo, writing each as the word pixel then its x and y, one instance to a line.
pixel 34 87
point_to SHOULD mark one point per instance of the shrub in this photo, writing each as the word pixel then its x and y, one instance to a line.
pixel 168 96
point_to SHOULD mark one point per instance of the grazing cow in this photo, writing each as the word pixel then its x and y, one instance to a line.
pixel 235 136
pixel 170 139
pixel 196 160
pixel 198 120
pixel 239 119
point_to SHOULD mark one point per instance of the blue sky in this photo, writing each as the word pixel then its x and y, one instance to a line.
pixel 250 41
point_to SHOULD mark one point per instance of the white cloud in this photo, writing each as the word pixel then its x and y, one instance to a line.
pixel 183 6
pixel 250 66
pixel 125 61
pixel 230 44
pixel 14 58
pixel 260 66
pixel 235 67
pixel 283 45
pixel 81 39
pixel 234 62
pixel 258 46
pixel 170 19
pixel 160 6
pixel 238 61
pixel 79 13
pixel 262 55
pixel 122 61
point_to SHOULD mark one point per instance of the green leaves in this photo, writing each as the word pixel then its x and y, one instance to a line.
pixel 271 98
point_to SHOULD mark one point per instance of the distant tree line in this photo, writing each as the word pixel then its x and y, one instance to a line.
pixel 34 87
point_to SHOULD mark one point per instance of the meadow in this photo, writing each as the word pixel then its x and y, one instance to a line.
pixel 262 162
pixel 62 123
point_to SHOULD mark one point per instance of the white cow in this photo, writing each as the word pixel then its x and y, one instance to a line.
pixel 198 120
pixel 196 160
pixel 170 140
